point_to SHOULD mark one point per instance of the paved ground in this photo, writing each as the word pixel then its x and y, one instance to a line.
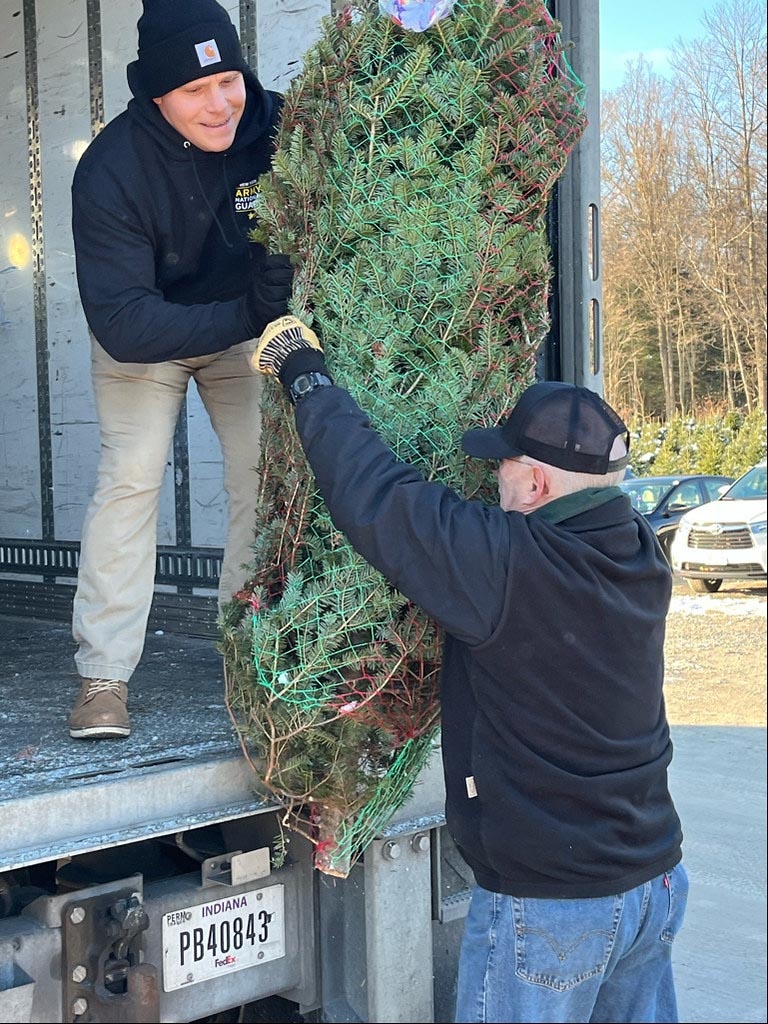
pixel 718 780
pixel 716 686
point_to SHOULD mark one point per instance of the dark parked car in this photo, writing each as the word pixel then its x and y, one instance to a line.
pixel 664 499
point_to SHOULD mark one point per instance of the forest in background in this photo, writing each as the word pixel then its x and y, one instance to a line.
pixel 684 227
pixel 727 443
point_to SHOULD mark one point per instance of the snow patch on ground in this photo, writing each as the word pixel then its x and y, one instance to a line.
pixel 708 603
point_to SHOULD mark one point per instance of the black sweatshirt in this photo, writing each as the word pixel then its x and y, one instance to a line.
pixel 160 231
pixel 552 705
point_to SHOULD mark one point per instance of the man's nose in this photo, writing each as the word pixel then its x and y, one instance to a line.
pixel 217 98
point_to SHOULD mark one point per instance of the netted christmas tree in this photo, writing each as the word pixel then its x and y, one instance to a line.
pixel 411 182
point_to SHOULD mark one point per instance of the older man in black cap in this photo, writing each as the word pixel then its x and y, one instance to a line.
pixel 555 738
pixel 172 289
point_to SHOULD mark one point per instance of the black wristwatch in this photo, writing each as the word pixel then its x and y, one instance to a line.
pixel 306 382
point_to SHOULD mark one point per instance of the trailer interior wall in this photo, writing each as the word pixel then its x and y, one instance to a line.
pixel 63 75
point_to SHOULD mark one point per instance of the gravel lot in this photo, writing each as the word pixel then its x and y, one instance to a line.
pixel 716 656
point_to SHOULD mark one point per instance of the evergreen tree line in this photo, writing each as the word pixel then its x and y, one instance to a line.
pixel 725 444
pixel 684 225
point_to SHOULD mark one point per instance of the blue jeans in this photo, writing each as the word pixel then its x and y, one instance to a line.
pixel 606 960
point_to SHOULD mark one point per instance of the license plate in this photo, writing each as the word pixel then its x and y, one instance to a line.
pixel 225 935
pixel 715 560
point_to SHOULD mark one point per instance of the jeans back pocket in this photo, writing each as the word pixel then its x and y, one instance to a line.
pixel 560 943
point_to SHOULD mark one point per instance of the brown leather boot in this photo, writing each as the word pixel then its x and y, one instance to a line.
pixel 100 711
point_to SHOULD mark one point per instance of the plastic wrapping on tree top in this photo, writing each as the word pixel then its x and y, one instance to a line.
pixel 410 182
pixel 416 15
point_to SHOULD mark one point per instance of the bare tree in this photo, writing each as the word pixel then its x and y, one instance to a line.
pixel 684 222
pixel 721 87
pixel 644 203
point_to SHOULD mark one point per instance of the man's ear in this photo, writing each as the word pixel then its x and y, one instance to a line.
pixel 539 488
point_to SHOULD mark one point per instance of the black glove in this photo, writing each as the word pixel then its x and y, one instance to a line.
pixel 288 347
pixel 269 291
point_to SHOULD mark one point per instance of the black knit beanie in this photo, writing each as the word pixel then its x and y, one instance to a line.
pixel 182 40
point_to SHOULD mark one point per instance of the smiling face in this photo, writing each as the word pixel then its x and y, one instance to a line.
pixel 206 111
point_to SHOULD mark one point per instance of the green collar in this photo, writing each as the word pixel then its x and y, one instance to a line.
pixel 569 505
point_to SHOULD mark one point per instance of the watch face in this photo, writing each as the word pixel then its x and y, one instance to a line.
pixel 307 382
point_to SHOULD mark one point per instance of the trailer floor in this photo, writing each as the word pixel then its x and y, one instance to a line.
pixel 181 765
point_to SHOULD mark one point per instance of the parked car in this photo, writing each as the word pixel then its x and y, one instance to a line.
pixel 725 539
pixel 664 499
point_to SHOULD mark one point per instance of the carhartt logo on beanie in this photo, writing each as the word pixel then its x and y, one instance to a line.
pixel 182 40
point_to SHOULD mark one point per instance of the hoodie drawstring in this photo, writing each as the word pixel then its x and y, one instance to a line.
pixel 188 145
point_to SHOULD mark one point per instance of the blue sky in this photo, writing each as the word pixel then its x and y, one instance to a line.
pixel 628 28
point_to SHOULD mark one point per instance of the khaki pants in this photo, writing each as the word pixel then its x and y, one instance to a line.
pixel 138 406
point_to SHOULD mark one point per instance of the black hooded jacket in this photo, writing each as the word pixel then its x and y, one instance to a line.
pixel 555 738
pixel 160 230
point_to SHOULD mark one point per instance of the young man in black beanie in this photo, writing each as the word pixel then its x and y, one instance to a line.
pixel 172 289
pixel 554 735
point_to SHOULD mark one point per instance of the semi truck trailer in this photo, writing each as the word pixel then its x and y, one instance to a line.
pixel 136 877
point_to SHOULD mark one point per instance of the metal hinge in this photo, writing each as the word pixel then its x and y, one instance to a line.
pixel 103 978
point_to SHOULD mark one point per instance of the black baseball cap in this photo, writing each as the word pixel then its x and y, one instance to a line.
pixel 560 424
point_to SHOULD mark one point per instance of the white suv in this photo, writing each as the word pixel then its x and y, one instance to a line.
pixel 724 539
